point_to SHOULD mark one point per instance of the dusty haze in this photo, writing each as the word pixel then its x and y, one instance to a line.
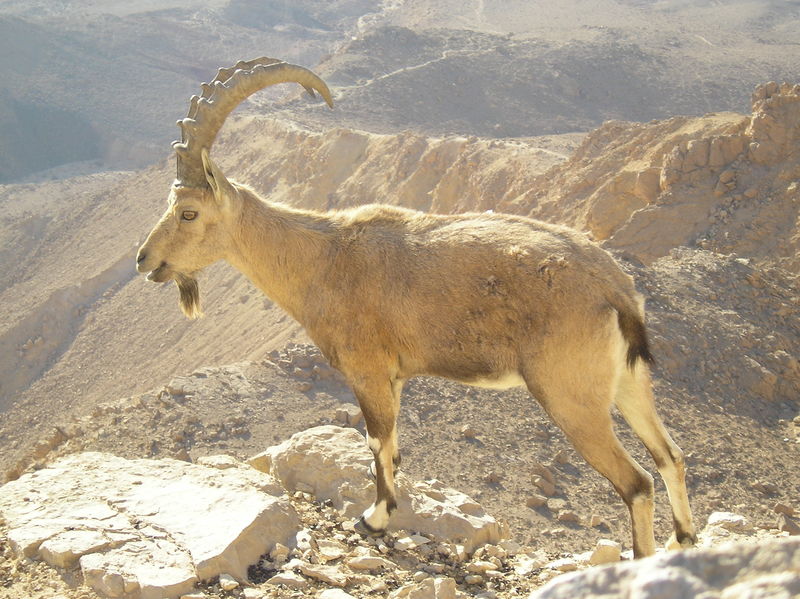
pixel 634 121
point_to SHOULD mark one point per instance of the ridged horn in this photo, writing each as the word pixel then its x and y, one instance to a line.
pixel 208 111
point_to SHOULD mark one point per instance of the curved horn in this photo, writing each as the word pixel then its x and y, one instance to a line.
pixel 230 87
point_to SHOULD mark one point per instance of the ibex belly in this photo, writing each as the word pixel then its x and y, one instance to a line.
pixel 506 380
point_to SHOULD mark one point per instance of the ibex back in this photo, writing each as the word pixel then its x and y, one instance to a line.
pixel 388 294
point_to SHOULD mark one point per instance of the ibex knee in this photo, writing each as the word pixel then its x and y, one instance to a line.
pixel 642 490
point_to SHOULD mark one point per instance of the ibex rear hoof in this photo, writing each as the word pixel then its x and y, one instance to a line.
pixel 686 542
pixel 363 528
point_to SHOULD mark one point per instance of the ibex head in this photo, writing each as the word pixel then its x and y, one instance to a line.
pixel 196 229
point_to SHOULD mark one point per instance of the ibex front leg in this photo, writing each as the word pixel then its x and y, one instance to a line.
pixel 379 401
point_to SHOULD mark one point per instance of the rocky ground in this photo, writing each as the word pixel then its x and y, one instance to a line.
pixel 166 528
pixel 519 467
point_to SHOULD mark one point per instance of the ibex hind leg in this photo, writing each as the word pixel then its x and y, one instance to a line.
pixel 397 389
pixel 584 416
pixel 635 402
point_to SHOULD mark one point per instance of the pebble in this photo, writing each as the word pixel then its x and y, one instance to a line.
pixel 525 565
pixel 227 582
pixel 410 542
pixel 605 552
pixel 596 521
pixel 480 567
pixel 473 579
pixel 368 562
pixel 334 594
pixel 565 564
pixel 330 550
pixel 787 524
pixel 496 551
pixel 468 432
pixel 568 516
pixel 348 415
pixel 544 485
pixel 379 587
pixel 562 457
pixel 279 553
pixel 328 574
pixel 290 580
pixel 729 521
pixel 493 478
pixel 544 472
pixel 535 501
pixel 493 574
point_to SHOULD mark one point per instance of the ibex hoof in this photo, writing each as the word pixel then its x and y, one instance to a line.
pixel 364 529
pixel 686 542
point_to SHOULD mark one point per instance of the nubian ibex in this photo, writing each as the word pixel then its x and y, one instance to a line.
pixel 387 294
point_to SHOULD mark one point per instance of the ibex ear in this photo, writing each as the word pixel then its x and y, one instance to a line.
pixel 216 180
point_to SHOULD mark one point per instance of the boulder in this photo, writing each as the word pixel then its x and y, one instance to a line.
pixel 334 462
pixel 146 528
pixel 767 569
pixel 729 521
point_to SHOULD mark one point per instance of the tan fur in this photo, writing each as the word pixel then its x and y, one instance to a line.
pixel 486 299
pixel 388 294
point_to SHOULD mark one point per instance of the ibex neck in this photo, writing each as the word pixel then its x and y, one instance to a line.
pixel 280 249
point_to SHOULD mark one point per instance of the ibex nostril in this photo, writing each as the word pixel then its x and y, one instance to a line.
pixel 140 257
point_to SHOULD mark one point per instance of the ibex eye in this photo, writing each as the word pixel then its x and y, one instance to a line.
pixel 188 215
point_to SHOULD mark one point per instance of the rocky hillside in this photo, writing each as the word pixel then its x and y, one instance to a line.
pixel 724 182
pixel 98 85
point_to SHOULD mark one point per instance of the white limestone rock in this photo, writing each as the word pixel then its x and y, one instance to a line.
pixel 227 582
pixel 370 562
pixel 146 528
pixel 331 549
pixel 289 580
pixel 770 569
pixel 605 552
pixel 335 462
pixel 331 575
pixel 729 521
pixel 334 594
